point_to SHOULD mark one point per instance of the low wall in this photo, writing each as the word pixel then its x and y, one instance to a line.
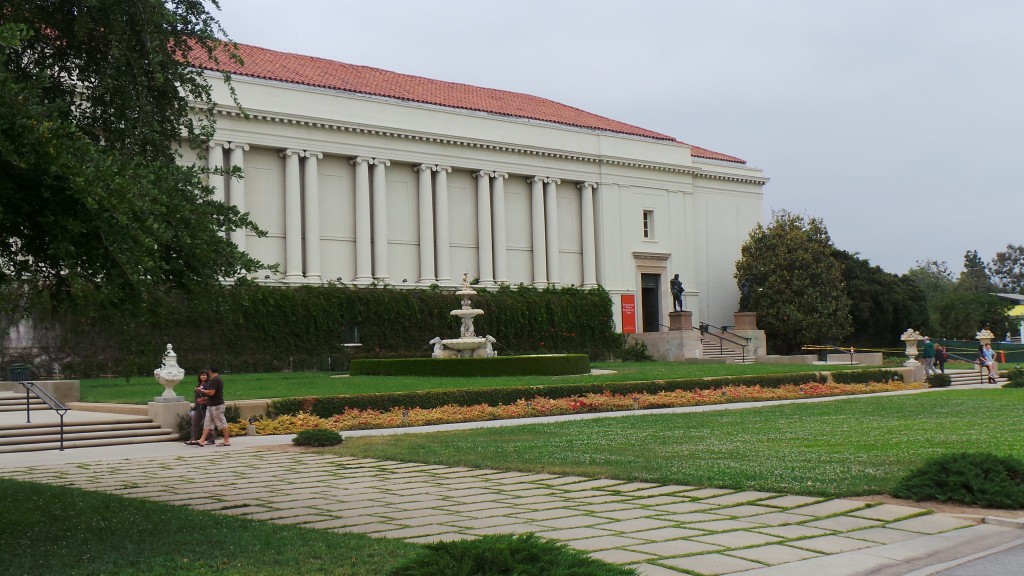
pixel 793 359
pixel 862 358
pixel 246 408
pixel 672 346
pixel 65 391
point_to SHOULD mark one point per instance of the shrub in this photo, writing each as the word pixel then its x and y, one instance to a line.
pixel 1015 376
pixel 865 376
pixel 980 479
pixel 637 351
pixel 317 437
pixel 939 380
pixel 522 555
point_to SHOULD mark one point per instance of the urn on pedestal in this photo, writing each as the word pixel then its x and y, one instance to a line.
pixel 169 374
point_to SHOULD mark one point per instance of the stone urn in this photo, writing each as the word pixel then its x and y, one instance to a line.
pixel 985 336
pixel 169 374
pixel 911 337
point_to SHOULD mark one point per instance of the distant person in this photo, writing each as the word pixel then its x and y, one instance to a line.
pixel 215 409
pixel 198 411
pixel 941 357
pixel 675 285
pixel 928 355
pixel 987 360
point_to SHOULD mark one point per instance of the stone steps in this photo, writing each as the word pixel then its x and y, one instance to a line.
pixel 966 377
pixel 712 350
pixel 15 402
pixel 80 430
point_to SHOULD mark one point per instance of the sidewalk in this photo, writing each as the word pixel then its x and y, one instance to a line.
pixel 660 529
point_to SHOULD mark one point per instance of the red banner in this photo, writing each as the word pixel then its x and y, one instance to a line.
pixel 629 313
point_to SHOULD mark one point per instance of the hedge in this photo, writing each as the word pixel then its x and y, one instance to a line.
pixel 547 365
pixel 327 406
pixel 865 376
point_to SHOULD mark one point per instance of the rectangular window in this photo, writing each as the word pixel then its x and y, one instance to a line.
pixel 648 224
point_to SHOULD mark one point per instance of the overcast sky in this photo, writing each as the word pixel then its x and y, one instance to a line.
pixel 900 123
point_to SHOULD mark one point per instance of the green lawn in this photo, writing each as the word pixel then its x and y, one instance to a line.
pixel 142 389
pixel 840 448
pixel 50 530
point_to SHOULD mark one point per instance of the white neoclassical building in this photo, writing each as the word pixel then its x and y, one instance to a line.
pixel 361 175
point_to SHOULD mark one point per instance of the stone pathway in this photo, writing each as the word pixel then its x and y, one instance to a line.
pixel 658 529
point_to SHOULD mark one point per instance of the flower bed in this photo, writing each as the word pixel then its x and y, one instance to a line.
pixel 355 419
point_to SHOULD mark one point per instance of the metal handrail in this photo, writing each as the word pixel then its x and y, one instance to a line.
pixel 832 347
pixel 703 328
pixel 53 403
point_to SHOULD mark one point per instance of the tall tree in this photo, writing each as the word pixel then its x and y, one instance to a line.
pixel 787 274
pixel 96 101
pixel 935 280
pixel 882 305
pixel 1007 268
pixel 975 276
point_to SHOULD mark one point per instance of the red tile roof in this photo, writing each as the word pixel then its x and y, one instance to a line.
pixel 322 73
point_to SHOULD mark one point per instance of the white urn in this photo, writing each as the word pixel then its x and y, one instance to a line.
pixel 985 336
pixel 169 374
pixel 911 337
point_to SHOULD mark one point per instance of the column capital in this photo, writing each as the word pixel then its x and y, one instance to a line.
pixel 551 180
pixel 361 160
pixel 291 152
pixel 483 174
pixel 424 168
pixel 440 168
pixel 239 146
pixel 311 154
pixel 537 180
pixel 583 185
pixel 381 162
pixel 502 175
pixel 216 143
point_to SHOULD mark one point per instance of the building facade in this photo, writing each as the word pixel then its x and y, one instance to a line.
pixel 361 175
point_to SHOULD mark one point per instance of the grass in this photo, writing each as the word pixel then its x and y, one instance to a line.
pixel 850 447
pixel 56 530
pixel 142 389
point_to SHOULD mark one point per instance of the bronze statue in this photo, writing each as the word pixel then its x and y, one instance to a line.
pixel 676 286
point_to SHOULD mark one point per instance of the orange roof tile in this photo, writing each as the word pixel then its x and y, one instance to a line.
pixel 323 73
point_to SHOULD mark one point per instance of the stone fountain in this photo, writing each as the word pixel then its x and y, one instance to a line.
pixel 468 344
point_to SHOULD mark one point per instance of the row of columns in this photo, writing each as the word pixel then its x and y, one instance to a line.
pixel 371 219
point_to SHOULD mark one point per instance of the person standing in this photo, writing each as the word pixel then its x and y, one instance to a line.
pixel 941 356
pixel 215 408
pixel 198 411
pixel 929 357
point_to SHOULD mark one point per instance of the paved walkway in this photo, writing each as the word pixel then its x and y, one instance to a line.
pixel 661 530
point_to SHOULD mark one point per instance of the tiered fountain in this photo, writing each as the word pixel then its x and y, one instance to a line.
pixel 468 344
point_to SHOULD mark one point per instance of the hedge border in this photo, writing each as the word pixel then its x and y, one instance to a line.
pixel 327 406
pixel 545 365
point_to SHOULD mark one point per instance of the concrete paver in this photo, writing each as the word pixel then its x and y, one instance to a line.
pixel 713 564
pixel 773 554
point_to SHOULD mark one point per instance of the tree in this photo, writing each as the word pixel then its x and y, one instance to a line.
pixel 958 309
pixel 935 281
pixel 1007 268
pixel 96 101
pixel 975 277
pixel 882 305
pixel 789 277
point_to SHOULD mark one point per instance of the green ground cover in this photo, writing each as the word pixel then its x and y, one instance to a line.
pixel 50 530
pixel 850 447
pixel 142 389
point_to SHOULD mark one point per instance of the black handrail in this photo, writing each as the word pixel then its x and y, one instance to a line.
pixel 981 371
pixel 53 403
pixel 703 327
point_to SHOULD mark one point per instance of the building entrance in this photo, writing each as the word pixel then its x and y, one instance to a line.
pixel 650 301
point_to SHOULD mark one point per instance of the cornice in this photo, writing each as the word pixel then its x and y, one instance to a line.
pixel 263 116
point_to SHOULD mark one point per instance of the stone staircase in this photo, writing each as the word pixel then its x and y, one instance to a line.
pixel 971 376
pixel 727 351
pixel 81 429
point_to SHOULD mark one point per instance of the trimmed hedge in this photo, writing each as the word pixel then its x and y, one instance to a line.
pixel 327 406
pixel 865 376
pixel 547 365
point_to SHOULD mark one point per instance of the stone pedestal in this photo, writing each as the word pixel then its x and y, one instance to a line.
pixel 745 320
pixel 166 414
pixel 682 320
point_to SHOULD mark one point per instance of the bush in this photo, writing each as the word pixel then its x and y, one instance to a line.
pixel 506 554
pixel 637 351
pixel 1015 376
pixel 939 381
pixel 317 437
pixel 880 375
pixel 981 479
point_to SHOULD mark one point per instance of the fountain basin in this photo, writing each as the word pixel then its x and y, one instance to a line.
pixel 467 312
pixel 464 343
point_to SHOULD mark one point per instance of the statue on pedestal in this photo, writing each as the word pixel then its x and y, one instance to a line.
pixel 676 286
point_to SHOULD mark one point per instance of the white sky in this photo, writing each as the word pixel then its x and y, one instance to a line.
pixel 899 122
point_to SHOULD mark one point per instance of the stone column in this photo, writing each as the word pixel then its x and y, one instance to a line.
pixel 589 243
pixel 215 162
pixel 363 261
pixel 311 211
pixel 442 236
pixel 380 220
pixel 498 223
pixel 292 216
pixel 540 274
pixel 236 189
pixel 551 219
pixel 483 226
pixel 426 196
